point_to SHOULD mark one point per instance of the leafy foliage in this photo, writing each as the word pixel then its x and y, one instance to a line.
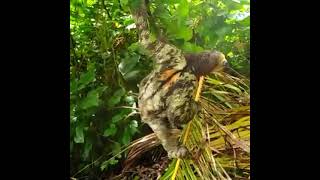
pixel 107 63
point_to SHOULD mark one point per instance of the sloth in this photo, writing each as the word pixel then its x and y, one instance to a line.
pixel 166 95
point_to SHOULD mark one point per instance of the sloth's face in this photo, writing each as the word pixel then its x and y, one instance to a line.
pixel 218 61
pixel 205 63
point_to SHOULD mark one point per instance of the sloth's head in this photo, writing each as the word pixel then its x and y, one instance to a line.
pixel 206 62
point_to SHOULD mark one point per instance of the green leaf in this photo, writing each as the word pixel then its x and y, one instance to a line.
pixel 79 138
pixel 232 87
pixel 183 8
pixel 128 63
pixel 214 81
pixel 126 137
pixel 133 125
pixel 110 131
pixel 245 22
pixel 91 100
pixel 191 48
pixel 117 118
pixel 130 76
pixel 184 33
pixel 219 97
pixel 228 104
pixel 87 149
pixel 91 2
pixel 129 131
pixel 116 97
pixel 245 1
pixel 105 164
pixel 116 148
pixel 87 77
pixel 124 2
pixel 113 161
pixel 130 100
pixel 137 47
pixel 221 32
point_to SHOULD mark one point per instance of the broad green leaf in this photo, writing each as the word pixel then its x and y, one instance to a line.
pixel 87 77
pixel 110 131
pixel 137 47
pixel 116 97
pixel 117 118
pixel 183 8
pixel 79 137
pixel 91 100
pixel 221 32
pixel 128 63
pixel 192 48
pixel 184 33
pixel 124 2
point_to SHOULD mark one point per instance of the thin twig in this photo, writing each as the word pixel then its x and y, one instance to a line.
pixel 126 107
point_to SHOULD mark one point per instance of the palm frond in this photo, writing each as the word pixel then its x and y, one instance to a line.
pixel 219 137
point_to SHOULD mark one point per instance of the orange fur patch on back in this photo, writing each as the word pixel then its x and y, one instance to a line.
pixel 166 74
pixel 172 81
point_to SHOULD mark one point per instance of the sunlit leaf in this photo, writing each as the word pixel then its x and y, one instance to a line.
pixel 110 131
pixel 91 100
pixel 183 8
pixel 87 149
pixel 117 118
pixel 190 47
pixel 79 137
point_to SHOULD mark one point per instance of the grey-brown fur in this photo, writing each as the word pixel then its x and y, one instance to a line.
pixel 166 99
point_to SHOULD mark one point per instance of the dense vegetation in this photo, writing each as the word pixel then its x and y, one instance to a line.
pixel 106 64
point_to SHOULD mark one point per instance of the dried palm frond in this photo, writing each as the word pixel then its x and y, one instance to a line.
pixel 219 136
